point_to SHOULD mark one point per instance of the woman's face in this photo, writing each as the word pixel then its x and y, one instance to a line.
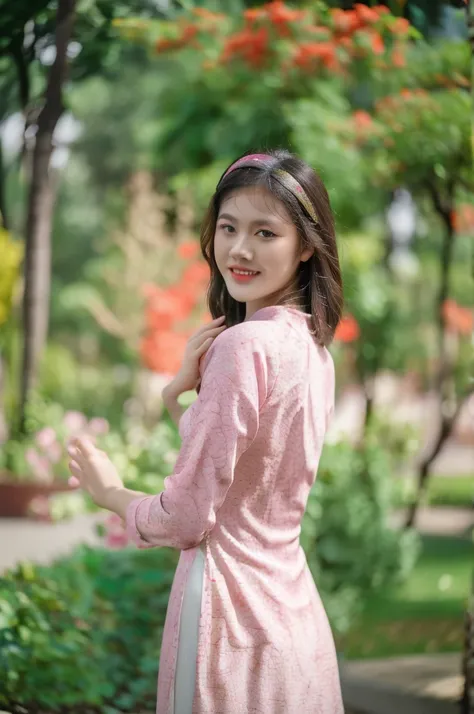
pixel 254 232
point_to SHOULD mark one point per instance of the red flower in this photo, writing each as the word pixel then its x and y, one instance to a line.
pixel 367 15
pixel 400 26
pixel 363 124
pixel 347 329
pixel 157 320
pixel 187 295
pixel 378 47
pixel 197 274
pixel 165 45
pixel 457 319
pixel 257 54
pixel 345 21
pixel 189 31
pixel 163 352
pixel 279 14
pixel 463 219
pixel 249 45
pixel 362 119
pixel 368 41
pixel 398 58
pixel 236 43
pixel 187 250
pixel 323 52
pixel 168 306
pixel 346 42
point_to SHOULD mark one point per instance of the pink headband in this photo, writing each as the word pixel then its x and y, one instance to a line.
pixel 249 158
pixel 284 177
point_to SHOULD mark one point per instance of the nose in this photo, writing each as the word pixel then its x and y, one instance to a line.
pixel 241 248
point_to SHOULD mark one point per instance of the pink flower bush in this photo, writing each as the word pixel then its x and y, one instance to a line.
pixel 45 437
pixel 55 452
pixel 49 445
pixel 98 426
pixel 75 422
pixel 115 534
pixel 40 465
pixel 47 456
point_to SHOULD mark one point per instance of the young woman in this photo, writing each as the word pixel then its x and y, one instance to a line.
pixel 246 632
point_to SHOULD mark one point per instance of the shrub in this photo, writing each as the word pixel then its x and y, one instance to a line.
pixel 51 653
pixel 85 632
pixel 351 549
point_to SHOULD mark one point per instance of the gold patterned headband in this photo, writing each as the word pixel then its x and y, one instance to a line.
pixel 283 177
pixel 289 182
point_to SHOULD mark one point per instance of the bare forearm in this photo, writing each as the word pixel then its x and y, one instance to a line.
pixel 119 499
pixel 170 396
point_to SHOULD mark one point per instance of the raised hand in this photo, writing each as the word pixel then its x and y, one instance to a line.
pixel 93 471
pixel 188 376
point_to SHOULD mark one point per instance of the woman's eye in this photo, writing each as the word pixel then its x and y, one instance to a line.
pixel 267 234
pixel 227 228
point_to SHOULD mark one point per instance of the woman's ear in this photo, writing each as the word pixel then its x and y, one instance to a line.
pixel 306 254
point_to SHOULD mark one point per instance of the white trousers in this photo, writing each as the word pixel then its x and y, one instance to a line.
pixel 185 678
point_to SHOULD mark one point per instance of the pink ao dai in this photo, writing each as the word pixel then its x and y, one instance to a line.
pixel 251 444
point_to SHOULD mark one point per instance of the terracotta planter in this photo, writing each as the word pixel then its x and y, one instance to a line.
pixel 16 496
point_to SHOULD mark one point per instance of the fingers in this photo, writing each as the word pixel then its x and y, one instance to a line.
pixel 76 471
pixel 83 451
pixel 215 324
pixel 217 330
pixel 206 338
pixel 204 347
pixel 84 445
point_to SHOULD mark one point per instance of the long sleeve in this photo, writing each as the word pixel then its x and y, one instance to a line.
pixel 222 424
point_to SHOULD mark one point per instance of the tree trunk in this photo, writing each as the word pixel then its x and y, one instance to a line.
pixel 4 223
pixel 424 470
pixel 369 404
pixel 444 206
pixel 40 213
pixel 447 425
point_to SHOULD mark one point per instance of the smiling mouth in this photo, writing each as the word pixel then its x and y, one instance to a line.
pixel 244 273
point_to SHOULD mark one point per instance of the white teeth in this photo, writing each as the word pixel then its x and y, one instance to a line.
pixel 242 272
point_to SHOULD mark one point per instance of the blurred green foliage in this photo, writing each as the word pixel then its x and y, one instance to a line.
pixel 79 621
pixel 350 546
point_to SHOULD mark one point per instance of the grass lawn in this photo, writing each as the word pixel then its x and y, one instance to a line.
pixel 451 491
pixel 425 614
pixel 444 491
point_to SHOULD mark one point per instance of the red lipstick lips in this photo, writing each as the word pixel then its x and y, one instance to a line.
pixel 244 275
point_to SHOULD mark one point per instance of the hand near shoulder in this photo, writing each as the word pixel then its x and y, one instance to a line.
pixel 188 377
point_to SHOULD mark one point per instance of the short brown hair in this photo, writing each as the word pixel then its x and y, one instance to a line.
pixel 319 282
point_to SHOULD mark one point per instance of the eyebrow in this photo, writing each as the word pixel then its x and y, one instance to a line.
pixel 230 217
